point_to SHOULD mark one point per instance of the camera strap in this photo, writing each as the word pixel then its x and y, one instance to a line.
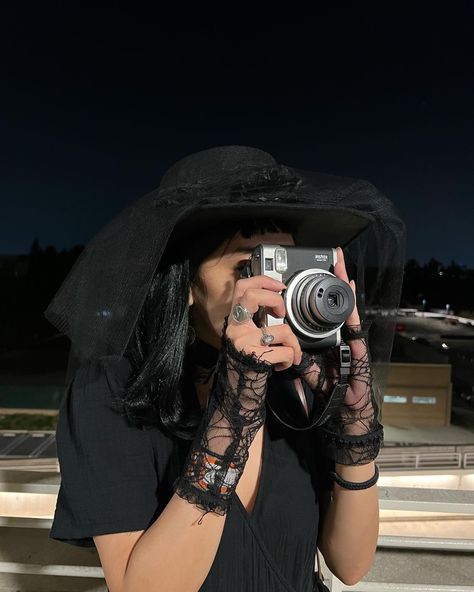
pixel 336 397
pixel 338 391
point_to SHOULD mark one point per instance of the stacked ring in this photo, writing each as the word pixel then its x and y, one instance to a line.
pixel 266 338
pixel 240 314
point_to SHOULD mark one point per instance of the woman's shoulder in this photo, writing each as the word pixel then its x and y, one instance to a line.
pixel 104 377
pixel 109 477
pixel 94 394
pixel 92 411
pixel 114 475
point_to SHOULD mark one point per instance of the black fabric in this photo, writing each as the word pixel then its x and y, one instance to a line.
pixel 117 478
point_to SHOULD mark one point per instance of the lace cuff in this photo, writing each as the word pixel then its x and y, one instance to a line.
pixel 351 449
pixel 235 413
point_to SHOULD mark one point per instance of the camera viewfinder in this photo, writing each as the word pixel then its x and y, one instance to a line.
pixel 268 264
pixel 281 262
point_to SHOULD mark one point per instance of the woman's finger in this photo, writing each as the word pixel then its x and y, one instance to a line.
pixel 281 356
pixel 269 290
pixel 283 337
pixel 353 318
pixel 253 298
pixel 341 273
pixel 256 281
pixel 340 267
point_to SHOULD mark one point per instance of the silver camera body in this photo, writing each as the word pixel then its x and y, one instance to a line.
pixel 317 303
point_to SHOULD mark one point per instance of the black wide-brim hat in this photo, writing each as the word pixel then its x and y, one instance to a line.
pixel 235 182
pixel 98 303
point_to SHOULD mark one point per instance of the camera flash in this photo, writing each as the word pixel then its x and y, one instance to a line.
pixel 281 264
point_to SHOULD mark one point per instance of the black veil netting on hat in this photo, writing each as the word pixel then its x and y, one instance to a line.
pixel 100 300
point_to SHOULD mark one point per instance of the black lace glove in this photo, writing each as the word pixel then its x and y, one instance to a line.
pixel 235 413
pixel 352 435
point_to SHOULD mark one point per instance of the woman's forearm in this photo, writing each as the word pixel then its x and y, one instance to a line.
pixel 176 553
pixel 351 526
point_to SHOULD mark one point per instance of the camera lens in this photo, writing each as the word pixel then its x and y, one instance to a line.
pixel 333 300
pixel 320 302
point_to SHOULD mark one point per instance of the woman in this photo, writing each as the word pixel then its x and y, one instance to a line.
pixel 215 492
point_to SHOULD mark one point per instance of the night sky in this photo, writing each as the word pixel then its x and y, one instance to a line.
pixel 96 106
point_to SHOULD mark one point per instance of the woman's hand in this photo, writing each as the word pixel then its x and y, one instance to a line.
pixel 236 408
pixel 358 413
pixel 356 395
pixel 341 273
pixel 251 293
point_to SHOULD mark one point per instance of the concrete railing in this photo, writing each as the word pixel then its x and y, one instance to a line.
pixel 446 501
pixel 425 460
pixel 30 560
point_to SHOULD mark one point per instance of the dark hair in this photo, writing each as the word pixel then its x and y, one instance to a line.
pixel 160 379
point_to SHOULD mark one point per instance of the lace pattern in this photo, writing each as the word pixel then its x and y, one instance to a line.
pixel 235 413
pixel 353 435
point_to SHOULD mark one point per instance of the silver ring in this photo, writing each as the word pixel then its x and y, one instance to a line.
pixel 240 314
pixel 266 338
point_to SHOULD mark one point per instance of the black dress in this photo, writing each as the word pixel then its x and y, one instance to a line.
pixel 117 478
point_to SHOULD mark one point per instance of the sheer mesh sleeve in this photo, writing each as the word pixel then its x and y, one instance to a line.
pixel 220 450
pixel 353 435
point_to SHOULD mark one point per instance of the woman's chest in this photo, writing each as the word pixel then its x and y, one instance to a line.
pixel 249 483
pixel 278 536
pixel 277 478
